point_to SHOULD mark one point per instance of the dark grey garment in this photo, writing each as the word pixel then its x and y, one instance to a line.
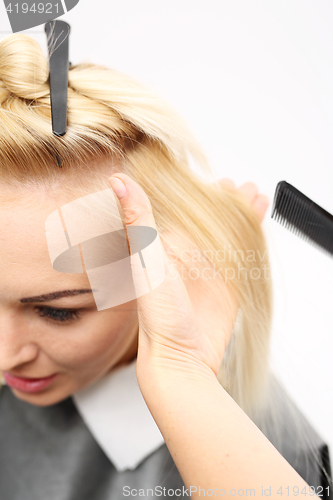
pixel 292 435
pixel 48 453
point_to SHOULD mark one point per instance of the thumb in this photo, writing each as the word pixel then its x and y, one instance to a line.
pixel 151 267
pixel 134 201
pixel 164 306
pixel 147 255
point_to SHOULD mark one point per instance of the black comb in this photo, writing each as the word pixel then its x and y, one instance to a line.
pixel 302 216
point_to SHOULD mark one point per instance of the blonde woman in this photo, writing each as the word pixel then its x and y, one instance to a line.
pixel 157 396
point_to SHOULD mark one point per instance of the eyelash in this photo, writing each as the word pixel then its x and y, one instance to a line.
pixel 58 315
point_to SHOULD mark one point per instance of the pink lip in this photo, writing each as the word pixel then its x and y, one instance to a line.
pixel 26 384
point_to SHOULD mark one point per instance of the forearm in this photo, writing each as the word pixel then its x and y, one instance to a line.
pixel 214 444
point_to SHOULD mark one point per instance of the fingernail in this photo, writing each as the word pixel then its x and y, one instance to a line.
pixel 118 187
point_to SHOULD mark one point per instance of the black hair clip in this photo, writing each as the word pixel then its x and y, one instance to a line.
pixel 57 42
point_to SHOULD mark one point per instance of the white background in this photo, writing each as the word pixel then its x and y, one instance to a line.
pixel 254 79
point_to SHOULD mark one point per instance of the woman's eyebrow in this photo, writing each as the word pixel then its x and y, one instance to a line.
pixel 55 295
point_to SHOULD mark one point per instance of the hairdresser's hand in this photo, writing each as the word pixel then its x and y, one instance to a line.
pixel 173 332
pixel 213 443
pixel 249 191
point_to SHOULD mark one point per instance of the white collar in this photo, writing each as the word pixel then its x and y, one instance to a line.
pixel 116 414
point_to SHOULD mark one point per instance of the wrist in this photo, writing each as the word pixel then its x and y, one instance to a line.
pixel 157 359
pixel 163 376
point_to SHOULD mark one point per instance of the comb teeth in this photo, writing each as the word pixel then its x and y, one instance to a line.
pixel 300 215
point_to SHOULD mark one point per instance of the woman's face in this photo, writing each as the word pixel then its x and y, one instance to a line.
pixel 66 336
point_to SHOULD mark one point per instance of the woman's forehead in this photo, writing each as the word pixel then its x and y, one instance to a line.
pixel 24 254
pixel 25 261
pixel 53 240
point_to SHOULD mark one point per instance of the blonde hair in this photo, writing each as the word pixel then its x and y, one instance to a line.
pixel 110 117
pixel 116 122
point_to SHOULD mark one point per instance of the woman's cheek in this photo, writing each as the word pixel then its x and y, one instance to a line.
pixel 89 345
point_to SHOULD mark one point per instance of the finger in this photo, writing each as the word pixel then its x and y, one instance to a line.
pixel 147 253
pixel 139 220
pixel 249 191
pixel 134 201
pixel 225 182
pixel 158 286
pixel 260 205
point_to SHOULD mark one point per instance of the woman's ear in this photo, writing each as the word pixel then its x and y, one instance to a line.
pixel 249 191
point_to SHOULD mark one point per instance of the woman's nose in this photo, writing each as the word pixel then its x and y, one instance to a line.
pixel 16 345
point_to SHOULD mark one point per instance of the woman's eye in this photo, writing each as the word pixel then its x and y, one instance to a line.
pixel 60 315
